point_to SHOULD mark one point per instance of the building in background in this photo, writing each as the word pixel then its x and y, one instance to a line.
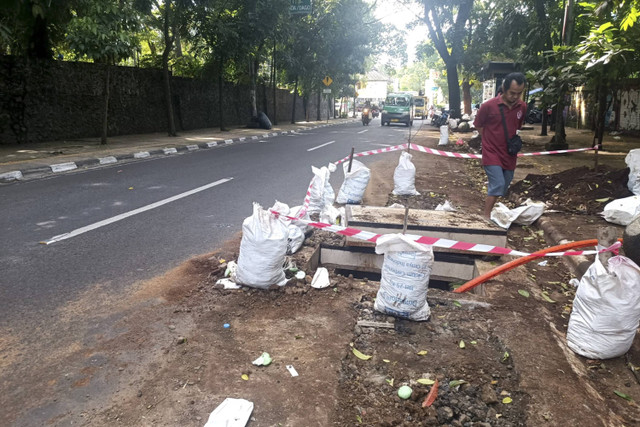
pixel 374 89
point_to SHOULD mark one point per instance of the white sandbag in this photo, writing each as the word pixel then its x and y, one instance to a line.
pixel 295 212
pixel 263 248
pixel 444 135
pixel 633 161
pixel 295 239
pixel 405 277
pixel 331 214
pixel 622 211
pixel 321 192
pixel 526 214
pixel 453 123
pixel 404 177
pixel 355 183
pixel 606 310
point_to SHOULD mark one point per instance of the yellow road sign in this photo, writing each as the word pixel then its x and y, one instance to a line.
pixel 327 81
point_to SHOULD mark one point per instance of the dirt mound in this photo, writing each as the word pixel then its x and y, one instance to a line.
pixel 578 190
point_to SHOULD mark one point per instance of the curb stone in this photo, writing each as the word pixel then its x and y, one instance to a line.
pixel 19 175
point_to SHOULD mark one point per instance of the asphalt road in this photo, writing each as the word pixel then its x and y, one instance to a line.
pixel 122 246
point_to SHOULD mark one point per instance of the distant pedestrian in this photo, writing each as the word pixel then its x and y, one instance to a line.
pixel 498 164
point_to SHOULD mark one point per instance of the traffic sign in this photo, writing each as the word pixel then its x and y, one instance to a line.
pixel 327 81
pixel 326 90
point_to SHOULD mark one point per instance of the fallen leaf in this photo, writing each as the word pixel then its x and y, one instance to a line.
pixel 360 355
pixel 606 199
pixel 245 377
pixel 456 383
pixel 130 188
pixel 386 360
pixel 457 304
pixel 505 393
pixel 558 186
pixel 545 296
pixel 505 356
pixel 523 293
pixel 494 382
pixel 461 345
pixel 622 395
pixel 431 396
pixel 426 381
pixel 474 342
pixel 528 238
pixel 390 382
pixel 222 261
pixel 359 418
pixel 422 352
pixel 507 400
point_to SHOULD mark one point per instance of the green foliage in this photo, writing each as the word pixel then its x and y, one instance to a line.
pixel 103 30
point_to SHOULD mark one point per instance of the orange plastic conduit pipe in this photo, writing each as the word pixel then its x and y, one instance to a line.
pixel 522 260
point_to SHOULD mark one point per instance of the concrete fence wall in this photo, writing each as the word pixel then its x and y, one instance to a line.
pixel 57 100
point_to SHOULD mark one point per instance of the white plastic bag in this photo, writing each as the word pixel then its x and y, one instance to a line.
pixel 331 214
pixel 263 248
pixel 444 135
pixel 231 413
pixel 446 206
pixel 622 211
pixel 295 239
pixel 321 192
pixel 404 177
pixel 526 214
pixel 633 161
pixel 295 212
pixel 606 310
pixel 355 183
pixel 405 277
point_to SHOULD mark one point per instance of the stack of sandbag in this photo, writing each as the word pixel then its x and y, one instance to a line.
pixel 405 277
pixel 633 161
pixel 263 248
pixel 606 309
pixel 355 183
pixel 321 192
pixel 404 177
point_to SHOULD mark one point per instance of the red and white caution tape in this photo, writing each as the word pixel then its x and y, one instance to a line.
pixel 444 153
pixel 371 152
pixel 479 156
pixel 307 199
pixel 437 241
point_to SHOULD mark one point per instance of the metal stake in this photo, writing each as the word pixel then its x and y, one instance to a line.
pixel 350 159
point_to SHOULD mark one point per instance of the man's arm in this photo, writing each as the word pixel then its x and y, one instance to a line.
pixel 479 131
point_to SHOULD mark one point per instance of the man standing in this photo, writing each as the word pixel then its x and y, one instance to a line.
pixel 498 164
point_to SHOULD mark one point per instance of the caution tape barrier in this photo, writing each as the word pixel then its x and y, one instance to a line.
pixel 439 242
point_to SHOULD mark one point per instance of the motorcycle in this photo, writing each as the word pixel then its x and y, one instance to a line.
pixel 375 112
pixel 366 116
pixel 440 119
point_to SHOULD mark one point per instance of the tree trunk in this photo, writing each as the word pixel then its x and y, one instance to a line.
pixel 466 95
pixel 273 61
pixel 253 90
pixel 601 114
pixel 265 101
pixel 168 44
pixel 545 121
pixel 220 94
pixel 319 117
pixel 454 90
pixel 295 97
pixel 105 113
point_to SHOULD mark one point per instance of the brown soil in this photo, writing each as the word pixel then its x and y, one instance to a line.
pixel 164 358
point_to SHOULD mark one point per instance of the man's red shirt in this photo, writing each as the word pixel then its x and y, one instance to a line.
pixel 494 145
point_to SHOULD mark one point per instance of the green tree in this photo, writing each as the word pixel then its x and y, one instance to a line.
pixel 104 31
pixel 452 16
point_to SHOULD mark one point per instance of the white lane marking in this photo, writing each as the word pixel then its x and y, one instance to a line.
pixel 321 145
pixel 383 145
pixel 122 216
pixel 363 131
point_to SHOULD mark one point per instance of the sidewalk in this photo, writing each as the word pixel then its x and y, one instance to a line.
pixel 24 161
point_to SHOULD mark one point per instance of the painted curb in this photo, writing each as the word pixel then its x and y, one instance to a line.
pixel 19 175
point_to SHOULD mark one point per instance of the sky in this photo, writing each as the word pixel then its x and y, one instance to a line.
pixel 398 13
